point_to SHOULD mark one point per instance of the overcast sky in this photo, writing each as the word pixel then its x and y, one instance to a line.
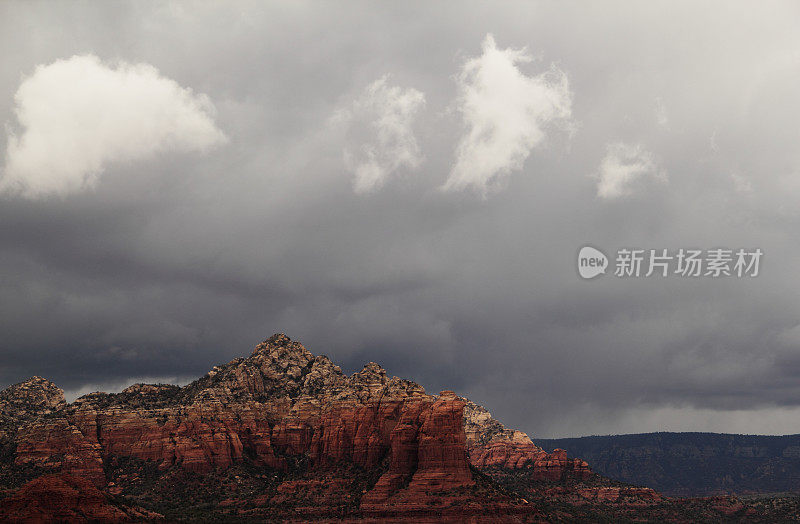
pixel 409 183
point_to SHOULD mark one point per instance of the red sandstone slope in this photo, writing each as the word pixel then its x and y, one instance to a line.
pixel 490 444
pixel 282 432
pixel 66 498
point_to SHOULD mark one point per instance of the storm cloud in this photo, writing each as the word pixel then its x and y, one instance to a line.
pixel 220 172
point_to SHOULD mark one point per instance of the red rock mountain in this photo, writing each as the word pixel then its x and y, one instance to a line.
pixel 282 434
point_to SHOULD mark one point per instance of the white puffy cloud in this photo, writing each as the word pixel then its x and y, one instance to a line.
pixel 506 114
pixel 380 133
pixel 77 116
pixel 623 167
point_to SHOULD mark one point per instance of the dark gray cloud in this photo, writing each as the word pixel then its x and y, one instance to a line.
pixel 178 261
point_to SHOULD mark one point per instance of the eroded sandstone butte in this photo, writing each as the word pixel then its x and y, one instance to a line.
pixel 280 431
pixel 490 444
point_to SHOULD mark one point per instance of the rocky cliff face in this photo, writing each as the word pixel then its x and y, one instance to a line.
pixel 282 433
pixel 490 444
pixel 277 408
pixel 35 396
